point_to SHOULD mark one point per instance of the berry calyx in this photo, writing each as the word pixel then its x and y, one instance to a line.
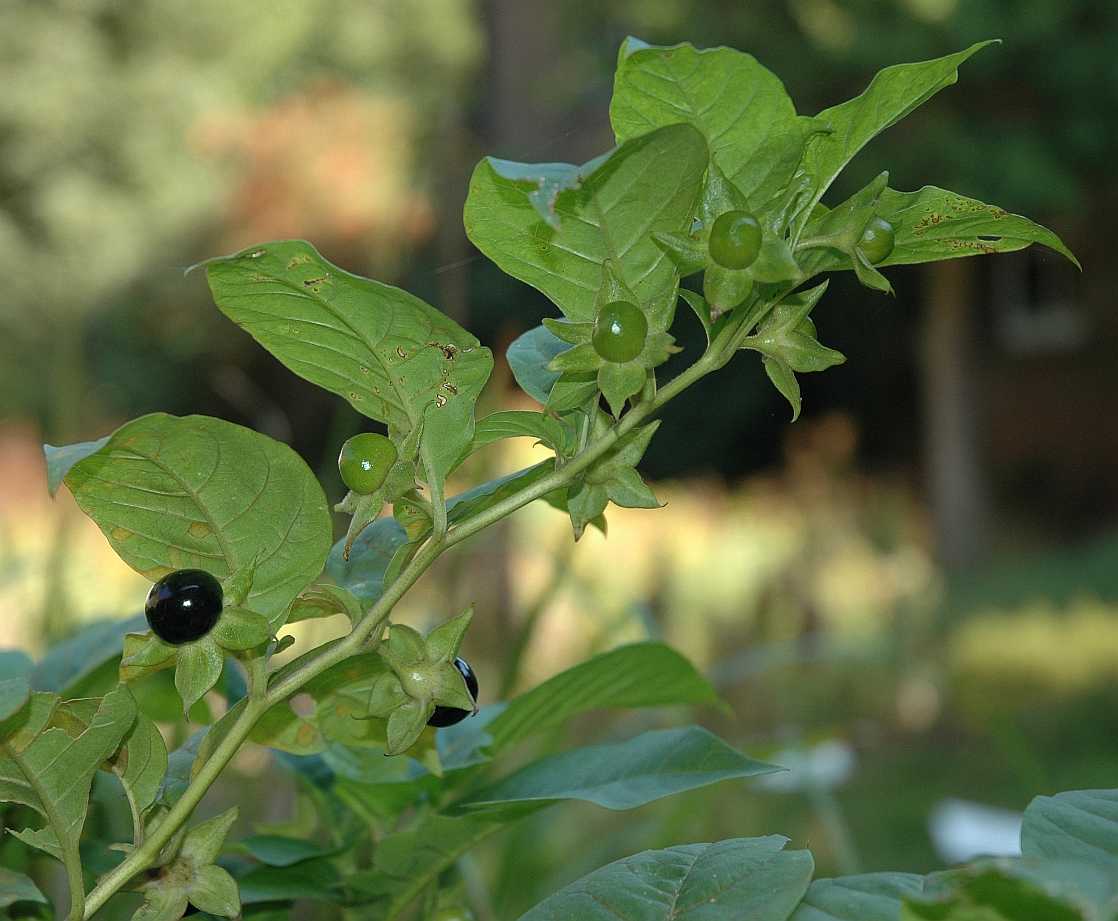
pixel 183 606
pixel 448 716
pixel 735 240
pixel 877 240
pixel 619 332
pixel 364 462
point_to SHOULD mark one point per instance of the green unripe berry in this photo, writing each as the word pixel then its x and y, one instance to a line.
pixel 364 462
pixel 877 240
pixel 735 240
pixel 620 331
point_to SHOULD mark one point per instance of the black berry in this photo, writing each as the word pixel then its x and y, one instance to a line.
pixel 183 606
pixel 448 716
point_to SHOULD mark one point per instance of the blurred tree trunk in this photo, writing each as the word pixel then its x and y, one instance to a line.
pixel 954 472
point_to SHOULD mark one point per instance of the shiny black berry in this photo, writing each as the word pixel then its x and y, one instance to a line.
pixel 183 606
pixel 448 716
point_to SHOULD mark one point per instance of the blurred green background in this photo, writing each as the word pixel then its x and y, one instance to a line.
pixel 918 581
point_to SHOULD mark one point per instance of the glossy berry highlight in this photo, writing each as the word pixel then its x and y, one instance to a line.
pixel 448 716
pixel 183 606
pixel 877 240
pixel 619 331
pixel 364 462
pixel 735 240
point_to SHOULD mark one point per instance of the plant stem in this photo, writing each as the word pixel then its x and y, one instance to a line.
pixel 356 641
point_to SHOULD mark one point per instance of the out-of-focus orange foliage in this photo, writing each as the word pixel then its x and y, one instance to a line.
pixel 331 163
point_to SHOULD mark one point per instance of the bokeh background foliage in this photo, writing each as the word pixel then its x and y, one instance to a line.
pixel 914 589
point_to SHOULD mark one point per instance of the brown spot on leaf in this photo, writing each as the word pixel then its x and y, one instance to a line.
pixel 199 529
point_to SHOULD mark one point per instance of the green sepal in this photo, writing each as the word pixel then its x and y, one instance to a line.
pixel 581 358
pixel 585 504
pixel 325 600
pixel 239 629
pixel 725 288
pixel 406 725
pixel 700 308
pixel 364 509
pixel 197 669
pixel 785 381
pixel 719 196
pixel 444 641
pixel 385 694
pixel 213 890
pixel 868 274
pixel 573 391
pixel 788 335
pixel 238 585
pixel 204 841
pixel 687 253
pixel 166 903
pixel 618 382
pixel 627 489
pixel 144 654
pixel 775 263
pixel 571 331
pixel 413 512
pixel 404 647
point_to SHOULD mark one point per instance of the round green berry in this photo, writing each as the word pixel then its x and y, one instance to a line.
pixel 877 240
pixel 735 240
pixel 364 462
pixel 620 331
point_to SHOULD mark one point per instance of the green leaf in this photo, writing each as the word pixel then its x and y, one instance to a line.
pixel 870 897
pixel 933 224
pixel 393 357
pixel 316 880
pixel 522 424
pixel 325 600
pixel 61 458
pixel 473 501
pixel 213 890
pixel 892 94
pixel 364 572
pixel 733 880
pixel 648 184
pixel 1079 825
pixel 141 763
pixel 445 639
pixel 195 492
pixel 700 308
pixel 638 675
pixel 407 862
pixel 624 775
pixel 741 108
pixel 281 851
pixel 15 887
pixel 529 356
pixel 196 670
pixel 14 693
pixel 49 767
pixel 1011 889
pixel 71 661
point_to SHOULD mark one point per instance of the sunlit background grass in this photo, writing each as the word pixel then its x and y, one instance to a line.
pixel 809 570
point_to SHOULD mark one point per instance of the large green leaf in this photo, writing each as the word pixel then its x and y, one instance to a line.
pixel 637 675
pixel 315 879
pixel 624 775
pixel 933 224
pixel 15 887
pixel 870 897
pixel 196 492
pixel 892 94
pixel 741 107
pixel 50 763
pixel 407 862
pixel 1078 825
pixel 69 662
pixel 523 424
pixel 62 457
pixel 607 211
pixel 392 356
pixel 742 879
pixel 363 573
